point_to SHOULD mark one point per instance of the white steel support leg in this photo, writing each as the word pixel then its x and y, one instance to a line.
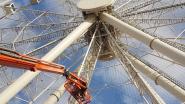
pixel 88 66
pixel 85 67
pixel 55 96
pixel 27 77
pixel 139 81
pixel 152 42
pixel 5 2
pixel 158 78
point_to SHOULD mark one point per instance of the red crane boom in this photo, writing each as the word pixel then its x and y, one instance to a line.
pixel 76 86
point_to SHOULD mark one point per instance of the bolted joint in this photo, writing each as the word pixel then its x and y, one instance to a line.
pixel 66 73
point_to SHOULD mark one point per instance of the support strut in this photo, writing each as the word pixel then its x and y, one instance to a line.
pixel 28 76
pixel 147 39
pixel 87 66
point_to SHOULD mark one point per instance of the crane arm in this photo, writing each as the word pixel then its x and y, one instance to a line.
pixel 25 62
pixel 74 85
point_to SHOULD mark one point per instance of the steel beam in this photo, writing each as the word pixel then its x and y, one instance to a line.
pixel 152 42
pixel 87 67
pixel 138 80
pixel 5 2
pixel 165 9
pixel 27 77
pixel 141 83
pixel 158 78
pixel 139 6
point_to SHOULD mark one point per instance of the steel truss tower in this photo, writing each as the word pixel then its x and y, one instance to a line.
pixel 140 35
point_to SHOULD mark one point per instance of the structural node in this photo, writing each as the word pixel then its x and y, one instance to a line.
pixel 9 8
pixel 94 5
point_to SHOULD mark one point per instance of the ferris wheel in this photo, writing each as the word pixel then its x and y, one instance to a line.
pixel 128 51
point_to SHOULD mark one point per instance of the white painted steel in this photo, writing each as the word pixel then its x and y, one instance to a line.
pixel 146 86
pixel 139 82
pixel 147 39
pixel 87 53
pixel 158 78
pixel 94 5
pixel 56 95
pixel 27 77
pixel 5 2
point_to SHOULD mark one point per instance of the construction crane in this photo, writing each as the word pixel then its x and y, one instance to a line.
pixel 76 86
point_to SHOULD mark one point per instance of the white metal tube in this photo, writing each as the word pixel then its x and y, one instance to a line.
pixel 87 53
pixel 158 78
pixel 135 75
pixel 27 77
pixel 140 82
pixel 154 43
pixel 5 2
pixel 56 95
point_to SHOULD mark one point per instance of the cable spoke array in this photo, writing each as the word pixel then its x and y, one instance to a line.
pixel 136 77
pixel 140 6
pixel 168 8
pixel 162 73
pixel 41 26
pixel 172 43
pixel 27 14
pixel 39 38
pixel 88 65
pixel 36 32
pixel 155 23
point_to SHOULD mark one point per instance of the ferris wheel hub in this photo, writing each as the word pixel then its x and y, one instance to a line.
pixel 94 5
